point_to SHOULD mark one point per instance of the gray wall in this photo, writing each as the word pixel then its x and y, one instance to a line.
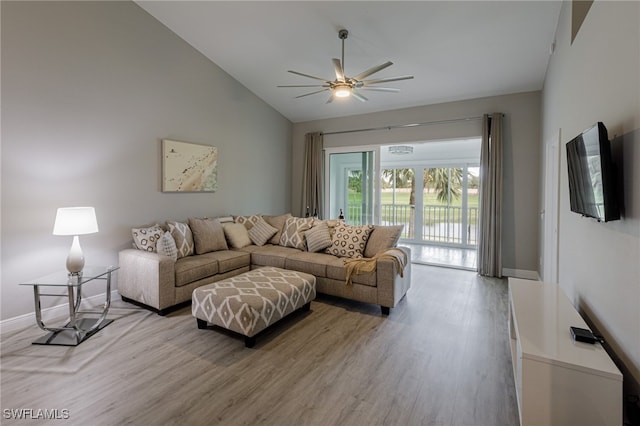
pixel 597 78
pixel 521 157
pixel 89 89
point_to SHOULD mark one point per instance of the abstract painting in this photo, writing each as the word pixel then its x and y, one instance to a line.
pixel 189 167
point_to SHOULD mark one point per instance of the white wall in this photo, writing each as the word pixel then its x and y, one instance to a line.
pixel 89 89
pixel 521 156
pixel 598 79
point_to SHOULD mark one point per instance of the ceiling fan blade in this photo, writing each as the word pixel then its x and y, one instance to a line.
pixel 380 89
pixel 373 70
pixel 331 98
pixel 386 80
pixel 339 71
pixel 359 97
pixel 309 76
pixel 306 85
pixel 312 93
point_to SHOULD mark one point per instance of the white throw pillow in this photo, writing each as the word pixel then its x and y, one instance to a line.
pixel 147 238
pixel 167 246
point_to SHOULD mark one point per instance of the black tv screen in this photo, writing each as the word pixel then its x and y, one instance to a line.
pixel 592 176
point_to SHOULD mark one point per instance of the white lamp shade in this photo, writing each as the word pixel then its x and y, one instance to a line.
pixel 75 221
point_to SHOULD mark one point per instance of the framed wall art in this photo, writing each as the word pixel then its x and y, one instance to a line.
pixel 189 167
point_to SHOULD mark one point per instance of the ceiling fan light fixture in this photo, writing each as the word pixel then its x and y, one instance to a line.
pixel 342 91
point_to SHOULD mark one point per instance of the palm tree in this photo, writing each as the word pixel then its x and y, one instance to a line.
pixel 446 181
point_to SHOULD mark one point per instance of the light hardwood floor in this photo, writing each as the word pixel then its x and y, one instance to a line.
pixel 440 358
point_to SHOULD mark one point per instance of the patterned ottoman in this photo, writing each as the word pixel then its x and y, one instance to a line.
pixel 250 302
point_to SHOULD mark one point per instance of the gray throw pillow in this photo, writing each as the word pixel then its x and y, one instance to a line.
pixel 208 235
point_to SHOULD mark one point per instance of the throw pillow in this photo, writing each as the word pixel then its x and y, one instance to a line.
pixel 382 238
pixel 225 219
pixel 146 238
pixel 247 221
pixel 278 223
pixel 236 234
pixel 349 241
pixel 318 238
pixel 166 246
pixel 208 235
pixel 183 237
pixel 293 232
pixel 261 232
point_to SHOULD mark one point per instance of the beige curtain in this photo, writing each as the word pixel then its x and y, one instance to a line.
pixel 490 226
pixel 312 177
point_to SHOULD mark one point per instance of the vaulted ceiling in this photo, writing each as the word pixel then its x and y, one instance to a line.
pixel 455 49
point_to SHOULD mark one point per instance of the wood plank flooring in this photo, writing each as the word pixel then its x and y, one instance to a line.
pixel 440 358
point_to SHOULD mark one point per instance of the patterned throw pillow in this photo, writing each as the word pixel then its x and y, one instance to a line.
pixel 183 238
pixel 261 232
pixel 293 232
pixel 166 246
pixel 278 223
pixel 208 235
pixel 349 241
pixel 247 221
pixel 318 238
pixel 147 238
pixel 236 234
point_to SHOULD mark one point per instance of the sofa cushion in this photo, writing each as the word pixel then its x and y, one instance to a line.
pixel 337 271
pixel 236 234
pixel 278 223
pixel 208 235
pixel 318 238
pixel 193 268
pixel 228 260
pixel 310 263
pixel 261 232
pixel 270 255
pixel 146 238
pixel 349 241
pixel 382 238
pixel 183 237
pixel 293 232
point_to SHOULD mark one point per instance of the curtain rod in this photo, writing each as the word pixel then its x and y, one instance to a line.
pixel 402 126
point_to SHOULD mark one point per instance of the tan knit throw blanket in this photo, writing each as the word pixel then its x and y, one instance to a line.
pixel 368 265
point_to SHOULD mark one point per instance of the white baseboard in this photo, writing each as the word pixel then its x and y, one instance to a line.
pixel 26 320
pixel 520 273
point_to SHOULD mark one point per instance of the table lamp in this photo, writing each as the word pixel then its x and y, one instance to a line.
pixel 75 221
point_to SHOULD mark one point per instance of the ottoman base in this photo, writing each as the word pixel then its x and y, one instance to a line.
pixel 250 302
pixel 249 342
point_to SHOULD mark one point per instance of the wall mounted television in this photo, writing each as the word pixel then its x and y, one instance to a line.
pixel 592 175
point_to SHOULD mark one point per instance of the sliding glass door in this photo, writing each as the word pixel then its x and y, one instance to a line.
pixel 351 185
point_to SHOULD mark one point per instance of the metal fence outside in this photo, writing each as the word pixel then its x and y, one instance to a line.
pixel 440 224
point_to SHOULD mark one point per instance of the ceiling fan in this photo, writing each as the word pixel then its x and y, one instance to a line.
pixel 343 86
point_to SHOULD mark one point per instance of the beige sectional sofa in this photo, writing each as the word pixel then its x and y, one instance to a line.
pixel 151 276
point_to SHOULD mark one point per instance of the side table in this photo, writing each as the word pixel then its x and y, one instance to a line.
pixel 78 328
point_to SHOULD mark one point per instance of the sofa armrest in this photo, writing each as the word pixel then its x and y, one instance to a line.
pixel 392 284
pixel 147 278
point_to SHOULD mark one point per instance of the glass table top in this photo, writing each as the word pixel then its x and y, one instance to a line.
pixel 62 278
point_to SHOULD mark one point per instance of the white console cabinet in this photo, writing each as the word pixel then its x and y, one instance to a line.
pixel 558 381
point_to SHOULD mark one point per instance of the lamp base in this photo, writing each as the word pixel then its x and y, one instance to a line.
pixel 75 260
